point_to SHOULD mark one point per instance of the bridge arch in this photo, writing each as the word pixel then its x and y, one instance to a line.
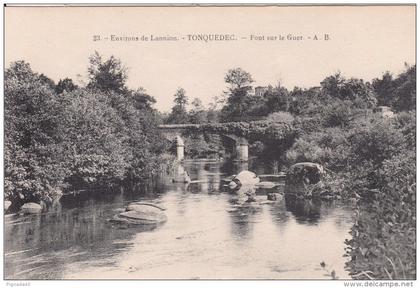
pixel 174 132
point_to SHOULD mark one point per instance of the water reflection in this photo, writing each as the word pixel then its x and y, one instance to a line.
pixel 209 234
pixel 243 218
pixel 304 210
pixel 38 244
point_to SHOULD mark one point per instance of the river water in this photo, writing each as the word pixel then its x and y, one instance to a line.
pixel 210 234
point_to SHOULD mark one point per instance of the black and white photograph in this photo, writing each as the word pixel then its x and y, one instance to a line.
pixel 209 142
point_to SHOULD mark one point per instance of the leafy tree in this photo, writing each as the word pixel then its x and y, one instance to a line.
pixel 46 81
pixel 384 89
pixel 197 114
pixel 107 75
pixel 34 169
pixel 238 78
pixel 405 90
pixel 213 116
pixel 237 105
pixel 96 139
pixel 333 84
pixel 277 99
pixel 179 112
pixel 65 84
pixel 398 93
pixel 181 99
pixel 141 99
pixel 238 100
pixel 361 94
pixel 197 104
pixel 337 114
pixel 304 101
pixel 76 139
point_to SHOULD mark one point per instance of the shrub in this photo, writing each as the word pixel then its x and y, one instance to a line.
pixel 383 244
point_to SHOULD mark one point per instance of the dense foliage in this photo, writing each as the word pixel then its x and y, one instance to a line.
pixel 64 136
pixel 399 93
pixel 370 157
pixel 383 243
pixel 371 160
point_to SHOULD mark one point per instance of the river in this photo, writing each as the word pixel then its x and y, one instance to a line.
pixel 210 234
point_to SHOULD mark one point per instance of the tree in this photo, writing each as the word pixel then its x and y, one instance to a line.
pixel 96 137
pixel 179 113
pixel 237 105
pixel 198 113
pixel 181 99
pixel 82 138
pixel 384 89
pixel 238 78
pixel 47 81
pixel 213 115
pixel 337 114
pixel 197 104
pixel 107 75
pixel 399 93
pixel 277 99
pixel 332 85
pixel 141 99
pixel 34 163
pixel 65 84
pixel 238 99
pixel 304 101
pixel 405 90
pixel 360 93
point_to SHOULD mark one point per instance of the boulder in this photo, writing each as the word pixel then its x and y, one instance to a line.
pixel 31 208
pixel 227 180
pixel 139 218
pixel 7 205
pixel 139 206
pixel 250 199
pixel 141 213
pixel 273 196
pixel 244 178
pixel 301 177
pixel 266 185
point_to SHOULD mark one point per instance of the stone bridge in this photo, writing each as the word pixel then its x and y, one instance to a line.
pixel 174 132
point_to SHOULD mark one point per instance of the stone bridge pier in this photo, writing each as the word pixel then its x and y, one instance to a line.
pixel 241 149
pixel 180 146
pixel 242 152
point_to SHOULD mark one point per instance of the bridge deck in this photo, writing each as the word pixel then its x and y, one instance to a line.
pixel 178 126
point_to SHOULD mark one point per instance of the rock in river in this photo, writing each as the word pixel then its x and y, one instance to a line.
pixel 274 196
pixel 140 206
pixel 301 176
pixel 266 185
pixel 244 178
pixel 7 205
pixel 31 208
pixel 141 214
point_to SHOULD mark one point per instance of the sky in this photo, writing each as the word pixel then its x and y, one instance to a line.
pixel 364 42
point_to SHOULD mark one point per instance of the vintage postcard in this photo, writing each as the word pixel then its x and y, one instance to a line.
pixel 210 142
